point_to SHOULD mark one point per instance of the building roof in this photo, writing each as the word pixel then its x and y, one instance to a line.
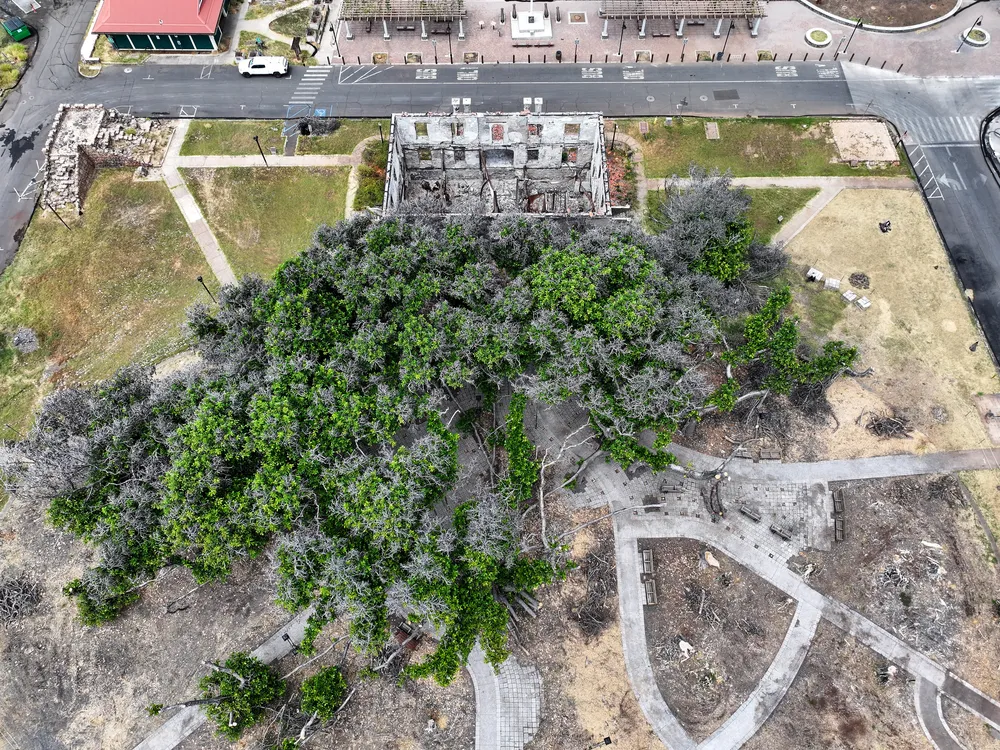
pixel 158 17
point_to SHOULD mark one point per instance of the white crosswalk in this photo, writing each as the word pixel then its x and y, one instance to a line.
pixel 312 81
pixel 957 129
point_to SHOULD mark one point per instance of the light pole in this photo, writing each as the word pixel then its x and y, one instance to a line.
pixel 621 41
pixel 451 57
pixel 434 42
pixel 685 44
pixel 851 37
pixel 202 282
pixel 576 46
pixel 723 53
pixel 256 139
pixel 964 37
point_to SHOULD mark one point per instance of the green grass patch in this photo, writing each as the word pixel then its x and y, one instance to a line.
pixel 273 48
pixel 110 290
pixel 343 139
pixel 292 24
pixel 766 205
pixel 111 56
pixel 371 176
pixel 232 137
pixel 747 147
pixel 262 217
pixel 262 10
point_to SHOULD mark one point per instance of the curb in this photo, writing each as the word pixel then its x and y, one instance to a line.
pixel 883 29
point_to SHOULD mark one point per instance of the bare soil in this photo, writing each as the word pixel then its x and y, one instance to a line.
pixel 733 620
pixel 888 12
pixel 66 685
pixel 836 701
pixel 586 691
pixel 971 731
pixel 914 562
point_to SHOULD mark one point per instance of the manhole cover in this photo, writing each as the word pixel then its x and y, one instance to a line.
pixel 650 99
pixel 128 70
pixel 703 98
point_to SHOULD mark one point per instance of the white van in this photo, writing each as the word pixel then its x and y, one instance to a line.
pixel 263 66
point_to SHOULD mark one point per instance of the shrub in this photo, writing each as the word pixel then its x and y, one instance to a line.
pixel 240 698
pixel 323 693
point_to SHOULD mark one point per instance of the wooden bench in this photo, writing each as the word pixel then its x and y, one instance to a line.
pixel 783 533
pixel 650 587
pixel 838 502
pixel 668 487
pixel 647 561
pixel 839 530
pixel 770 455
pixel 750 513
pixel 742 453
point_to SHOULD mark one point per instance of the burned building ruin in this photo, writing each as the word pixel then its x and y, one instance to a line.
pixel 466 162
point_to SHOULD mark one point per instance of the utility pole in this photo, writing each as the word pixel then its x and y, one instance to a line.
pixel 723 53
pixel 621 41
pixel 256 139
pixel 851 37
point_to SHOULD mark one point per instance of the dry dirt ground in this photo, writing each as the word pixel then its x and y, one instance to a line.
pixel 733 620
pixel 837 702
pixel 888 12
pixel 969 728
pixel 381 715
pixel 586 692
pixel 67 686
pixel 863 140
pixel 916 336
pixel 915 562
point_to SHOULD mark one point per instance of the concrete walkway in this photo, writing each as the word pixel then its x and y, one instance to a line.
pixel 838 183
pixel 758 707
pixel 927 701
pixel 508 702
pixel 183 723
pixel 630 528
pixel 199 227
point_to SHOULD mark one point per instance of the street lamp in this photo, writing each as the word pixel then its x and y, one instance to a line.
pixel 964 37
pixel 202 282
pixel 434 42
pixel 256 139
pixel 851 37
pixel 451 57
pixel 685 44
pixel 576 46
pixel 621 41
pixel 731 25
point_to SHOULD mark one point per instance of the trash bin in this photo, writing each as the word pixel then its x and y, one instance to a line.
pixel 304 128
pixel 558 55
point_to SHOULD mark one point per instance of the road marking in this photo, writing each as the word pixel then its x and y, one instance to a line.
pixel 206 72
pixel 786 71
pixel 592 72
pixel 633 74
pixel 468 74
pixel 427 74
pixel 823 71
pixel 187 111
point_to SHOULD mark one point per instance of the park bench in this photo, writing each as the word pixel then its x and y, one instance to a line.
pixel 742 453
pixel 650 587
pixel 671 487
pixel 770 455
pixel 783 533
pixel 647 561
pixel 750 513
pixel 839 530
pixel 838 502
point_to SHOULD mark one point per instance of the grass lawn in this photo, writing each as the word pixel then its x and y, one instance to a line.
pixel 13 61
pixel 343 139
pixel 110 55
pixel 111 290
pixel 261 10
pixel 747 147
pixel 232 137
pixel 272 47
pixel 292 24
pixel 766 205
pixel 262 217
pixel 371 176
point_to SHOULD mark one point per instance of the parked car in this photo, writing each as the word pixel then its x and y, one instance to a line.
pixel 16 28
pixel 263 66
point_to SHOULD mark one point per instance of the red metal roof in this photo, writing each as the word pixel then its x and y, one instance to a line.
pixel 158 17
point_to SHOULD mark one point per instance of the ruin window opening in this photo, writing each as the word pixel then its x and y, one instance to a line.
pixel 532 154
pixel 569 156
pixel 500 157
pixel 573 130
pixel 497 133
pixel 534 130
pixel 421 129
pixel 460 154
pixel 458 128
pixel 424 154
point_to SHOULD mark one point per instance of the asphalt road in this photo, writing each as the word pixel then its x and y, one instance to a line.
pixel 939 116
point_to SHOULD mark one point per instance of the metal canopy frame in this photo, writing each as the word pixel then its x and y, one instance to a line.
pixel 402 10
pixel 681 9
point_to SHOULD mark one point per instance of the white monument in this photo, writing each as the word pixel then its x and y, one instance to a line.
pixel 531 24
